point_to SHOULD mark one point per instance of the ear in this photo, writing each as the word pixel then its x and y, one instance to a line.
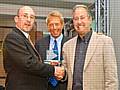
pixel 90 18
pixel 16 19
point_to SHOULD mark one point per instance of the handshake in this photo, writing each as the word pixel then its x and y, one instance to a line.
pixel 59 72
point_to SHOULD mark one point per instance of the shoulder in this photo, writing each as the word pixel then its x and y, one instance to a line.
pixel 15 39
pixel 43 40
pixel 71 41
pixel 13 35
pixel 103 37
pixel 65 38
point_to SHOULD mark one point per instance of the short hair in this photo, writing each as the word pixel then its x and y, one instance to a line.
pixel 18 11
pixel 82 6
pixel 55 14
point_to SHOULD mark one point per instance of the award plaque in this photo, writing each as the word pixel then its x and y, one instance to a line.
pixel 51 56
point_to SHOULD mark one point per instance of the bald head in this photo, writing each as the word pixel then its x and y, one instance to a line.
pixel 25 8
pixel 25 18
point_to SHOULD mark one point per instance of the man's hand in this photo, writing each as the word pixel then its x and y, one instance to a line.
pixel 55 63
pixel 59 72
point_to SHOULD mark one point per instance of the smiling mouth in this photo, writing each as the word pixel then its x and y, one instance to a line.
pixel 28 24
pixel 80 26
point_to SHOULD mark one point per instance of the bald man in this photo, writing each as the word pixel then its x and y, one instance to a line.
pixel 22 63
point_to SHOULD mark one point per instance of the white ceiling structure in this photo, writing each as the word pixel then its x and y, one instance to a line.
pixel 8 9
pixel 41 7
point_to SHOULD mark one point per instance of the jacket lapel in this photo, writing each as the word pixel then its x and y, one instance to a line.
pixel 46 46
pixel 62 43
pixel 47 42
pixel 91 48
pixel 72 53
pixel 27 42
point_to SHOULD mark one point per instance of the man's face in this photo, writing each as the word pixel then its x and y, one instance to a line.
pixel 81 21
pixel 25 19
pixel 55 26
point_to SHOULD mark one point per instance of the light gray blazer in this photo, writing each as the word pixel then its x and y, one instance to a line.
pixel 100 68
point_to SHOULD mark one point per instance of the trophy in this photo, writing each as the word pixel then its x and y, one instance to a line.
pixel 52 58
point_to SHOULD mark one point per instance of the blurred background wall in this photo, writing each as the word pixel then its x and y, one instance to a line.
pixel 105 20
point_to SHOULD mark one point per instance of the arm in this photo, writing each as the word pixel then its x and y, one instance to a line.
pixel 110 66
pixel 18 55
pixel 64 64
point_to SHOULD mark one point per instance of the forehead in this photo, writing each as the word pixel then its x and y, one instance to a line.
pixel 53 19
pixel 80 12
pixel 26 10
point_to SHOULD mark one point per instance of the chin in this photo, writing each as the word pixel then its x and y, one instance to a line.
pixel 27 30
pixel 56 36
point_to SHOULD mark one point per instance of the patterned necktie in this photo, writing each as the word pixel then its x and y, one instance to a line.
pixel 34 48
pixel 31 42
pixel 53 82
pixel 55 50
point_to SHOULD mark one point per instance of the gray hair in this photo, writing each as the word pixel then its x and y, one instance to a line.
pixel 82 6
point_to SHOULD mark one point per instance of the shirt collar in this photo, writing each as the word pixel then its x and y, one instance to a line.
pixel 57 39
pixel 87 37
pixel 26 34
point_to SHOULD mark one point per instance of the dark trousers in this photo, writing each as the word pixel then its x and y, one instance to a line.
pixel 1 87
pixel 60 86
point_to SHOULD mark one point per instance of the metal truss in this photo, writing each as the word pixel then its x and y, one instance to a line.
pixel 102 16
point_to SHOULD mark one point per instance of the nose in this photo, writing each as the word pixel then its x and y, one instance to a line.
pixel 28 19
pixel 79 20
pixel 54 26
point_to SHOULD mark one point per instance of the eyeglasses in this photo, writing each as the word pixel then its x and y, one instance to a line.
pixel 26 16
pixel 79 18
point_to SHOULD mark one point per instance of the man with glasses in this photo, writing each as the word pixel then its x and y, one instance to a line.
pixel 23 65
pixel 89 57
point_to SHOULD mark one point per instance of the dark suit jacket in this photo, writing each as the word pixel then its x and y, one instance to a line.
pixel 43 45
pixel 24 68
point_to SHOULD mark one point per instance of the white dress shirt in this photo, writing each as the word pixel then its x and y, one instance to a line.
pixel 59 40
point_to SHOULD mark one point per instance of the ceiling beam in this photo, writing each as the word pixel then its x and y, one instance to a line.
pixel 68 4
pixel 10 9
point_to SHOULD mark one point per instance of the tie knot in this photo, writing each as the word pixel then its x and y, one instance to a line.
pixel 55 50
pixel 55 45
pixel 55 41
pixel 29 38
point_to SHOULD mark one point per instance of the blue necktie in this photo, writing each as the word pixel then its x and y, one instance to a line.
pixel 55 50
pixel 52 79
